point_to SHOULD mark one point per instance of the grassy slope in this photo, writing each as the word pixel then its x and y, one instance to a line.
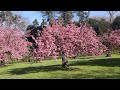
pixel 84 67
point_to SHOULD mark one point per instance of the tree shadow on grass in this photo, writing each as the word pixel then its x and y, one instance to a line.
pixel 6 65
pixel 85 57
pixel 111 62
pixel 108 62
pixel 36 69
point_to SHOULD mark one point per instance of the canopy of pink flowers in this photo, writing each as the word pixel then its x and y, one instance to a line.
pixel 112 41
pixel 70 39
pixel 12 41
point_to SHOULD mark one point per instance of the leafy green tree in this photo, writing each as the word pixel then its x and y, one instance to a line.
pixel 82 15
pixel 7 17
pixel 116 23
pixel 48 15
pixel 11 19
pixel 66 16
pixel 43 23
pixel 35 22
pixel 100 26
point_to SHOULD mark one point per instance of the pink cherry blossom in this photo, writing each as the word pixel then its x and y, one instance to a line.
pixel 70 39
pixel 13 41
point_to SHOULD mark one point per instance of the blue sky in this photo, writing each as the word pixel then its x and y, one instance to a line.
pixel 98 13
pixel 31 15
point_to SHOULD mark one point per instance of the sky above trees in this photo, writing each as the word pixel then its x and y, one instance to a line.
pixel 32 15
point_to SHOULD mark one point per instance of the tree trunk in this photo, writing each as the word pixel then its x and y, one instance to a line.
pixel 108 54
pixel 2 62
pixel 111 19
pixel 64 61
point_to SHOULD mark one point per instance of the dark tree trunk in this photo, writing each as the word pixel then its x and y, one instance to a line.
pixel 74 57
pixel 64 61
pixel 2 62
pixel 108 54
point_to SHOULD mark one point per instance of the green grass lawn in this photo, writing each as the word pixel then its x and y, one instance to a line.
pixel 80 68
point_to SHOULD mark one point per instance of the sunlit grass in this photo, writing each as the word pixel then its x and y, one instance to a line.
pixel 83 67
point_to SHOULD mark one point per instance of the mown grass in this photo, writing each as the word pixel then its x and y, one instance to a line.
pixel 80 68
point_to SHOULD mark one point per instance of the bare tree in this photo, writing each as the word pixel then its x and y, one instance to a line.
pixel 111 13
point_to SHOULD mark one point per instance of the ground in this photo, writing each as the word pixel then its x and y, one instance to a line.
pixel 81 68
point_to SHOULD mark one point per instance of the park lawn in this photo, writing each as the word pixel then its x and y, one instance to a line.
pixel 81 68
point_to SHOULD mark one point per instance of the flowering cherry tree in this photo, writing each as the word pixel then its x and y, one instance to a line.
pixel 67 41
pixel 13 43
pixel 114 39
pixel 111 41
